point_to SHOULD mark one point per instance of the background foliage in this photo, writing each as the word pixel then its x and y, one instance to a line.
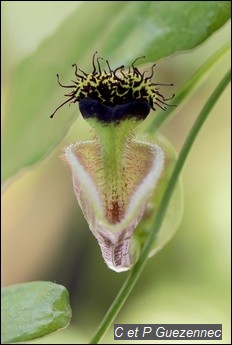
pixel 45 236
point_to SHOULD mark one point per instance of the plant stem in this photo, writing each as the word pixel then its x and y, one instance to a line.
pixel 138 267
pixel 188 88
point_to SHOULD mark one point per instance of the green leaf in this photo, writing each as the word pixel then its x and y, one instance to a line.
pixel 32 310
pixel 120 31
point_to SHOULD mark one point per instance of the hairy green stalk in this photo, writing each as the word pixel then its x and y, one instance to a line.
pixel 113 138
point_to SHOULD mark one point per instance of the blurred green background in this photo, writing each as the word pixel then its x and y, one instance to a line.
pixel 45 236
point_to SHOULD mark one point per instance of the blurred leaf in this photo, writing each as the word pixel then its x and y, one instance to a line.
pixel 32 310
pixel 120 31
pixel 188 88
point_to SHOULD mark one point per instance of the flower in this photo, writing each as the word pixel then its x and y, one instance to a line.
pixel 115 175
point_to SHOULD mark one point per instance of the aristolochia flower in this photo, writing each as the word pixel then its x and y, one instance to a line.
pixel 117 178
